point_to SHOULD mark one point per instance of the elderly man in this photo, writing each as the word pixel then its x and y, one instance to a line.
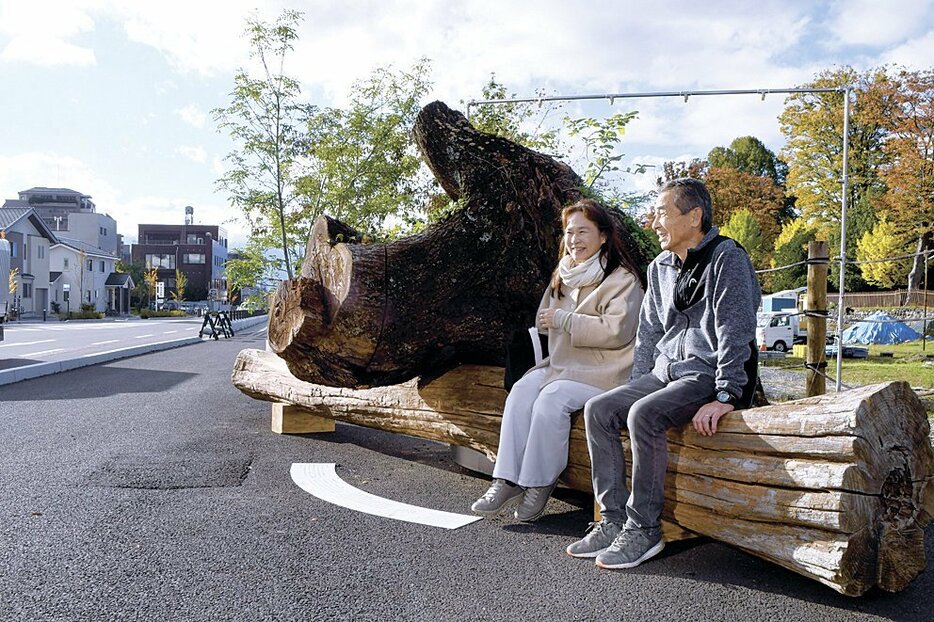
pixel 695 361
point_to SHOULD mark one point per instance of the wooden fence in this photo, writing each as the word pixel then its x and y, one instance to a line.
pixel 894 298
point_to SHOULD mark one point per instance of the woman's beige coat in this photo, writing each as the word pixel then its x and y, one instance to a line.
pixel 598 349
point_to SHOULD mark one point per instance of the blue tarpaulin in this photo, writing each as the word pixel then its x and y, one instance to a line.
pixel 879 332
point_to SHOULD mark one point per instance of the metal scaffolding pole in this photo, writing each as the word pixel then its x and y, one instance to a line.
pixel 846 90
pixel 685 94
pixel 841 307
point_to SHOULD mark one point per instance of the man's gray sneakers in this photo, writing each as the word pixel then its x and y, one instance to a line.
pixel 533 503
pixel 601 536
pixel 499 494
pixel 632 547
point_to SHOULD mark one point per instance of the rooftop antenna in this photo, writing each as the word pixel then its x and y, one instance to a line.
pixel 189 215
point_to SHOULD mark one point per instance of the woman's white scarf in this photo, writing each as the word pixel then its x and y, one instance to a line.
pixel 590 272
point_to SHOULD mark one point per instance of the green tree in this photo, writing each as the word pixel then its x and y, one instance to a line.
pixel 748 154
pixel 696 168
pixel 136 271
pixel 879 243
pixel 909 199
pixel 248 267
pixel 744 228
pixel 151 278
pixel 860 218
pixel 362 164
pixel 181 282
pixel 791 246
pixel 520 122
pixel 601 139
pixel 813 125
pixel 266 118
pixel 732 191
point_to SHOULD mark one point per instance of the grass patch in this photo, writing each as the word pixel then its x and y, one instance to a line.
pixel 908 362
pixel 148 313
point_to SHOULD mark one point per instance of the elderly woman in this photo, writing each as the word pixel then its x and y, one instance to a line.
pixel 590 312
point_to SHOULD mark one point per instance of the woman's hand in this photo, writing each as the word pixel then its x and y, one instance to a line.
pixel 546 318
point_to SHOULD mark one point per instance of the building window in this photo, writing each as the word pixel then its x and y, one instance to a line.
pixel 195 258
pixel 90 265
pixel 65 260
pixel 102 265
pixel 14 249
pixel 40 252
pixel 27 290
pixel 160 261
pixel 192 238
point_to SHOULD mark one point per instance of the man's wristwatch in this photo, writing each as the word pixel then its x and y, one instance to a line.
pixel 725 397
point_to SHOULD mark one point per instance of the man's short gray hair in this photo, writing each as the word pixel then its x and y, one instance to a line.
pixel 690 193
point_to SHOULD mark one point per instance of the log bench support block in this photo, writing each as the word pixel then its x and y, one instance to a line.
pixel 291 419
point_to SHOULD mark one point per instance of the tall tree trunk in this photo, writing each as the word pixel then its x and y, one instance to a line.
pixel 916 276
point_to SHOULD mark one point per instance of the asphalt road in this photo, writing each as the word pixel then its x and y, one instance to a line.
pixel 27 343
pixel 151 489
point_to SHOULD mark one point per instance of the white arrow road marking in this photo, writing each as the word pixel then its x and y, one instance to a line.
pixel 321 480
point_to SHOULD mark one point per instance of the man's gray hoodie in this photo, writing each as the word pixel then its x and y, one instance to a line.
pixel 710 337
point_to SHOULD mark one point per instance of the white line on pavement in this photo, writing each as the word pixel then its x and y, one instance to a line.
pixel 43 352
pixel 100 343
pixel 169 332
pixel 320 480
pixel 142 336
pixel 26 343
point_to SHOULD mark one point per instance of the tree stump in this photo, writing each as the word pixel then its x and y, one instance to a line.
pixel 835 487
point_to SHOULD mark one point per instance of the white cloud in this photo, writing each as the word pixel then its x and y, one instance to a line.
pixel 46 45
pixel 196 37
pixel 47 52
pixel 195 154
pixel 192 115
pixel 916 53
pixel 877 24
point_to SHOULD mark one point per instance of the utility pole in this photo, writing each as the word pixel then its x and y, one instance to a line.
pixel 816 314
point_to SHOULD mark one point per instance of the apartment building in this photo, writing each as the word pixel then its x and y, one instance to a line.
pixel 199 251
pixel 70 214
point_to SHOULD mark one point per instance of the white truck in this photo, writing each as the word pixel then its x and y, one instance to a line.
pixel 4 278
pixel 780 330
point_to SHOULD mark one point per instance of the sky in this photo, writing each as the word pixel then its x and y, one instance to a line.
pixel 114 98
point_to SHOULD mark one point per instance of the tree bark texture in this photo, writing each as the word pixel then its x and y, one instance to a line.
pixel 364 315
pixel 835 487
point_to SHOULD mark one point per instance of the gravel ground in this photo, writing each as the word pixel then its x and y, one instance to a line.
pixel 781 385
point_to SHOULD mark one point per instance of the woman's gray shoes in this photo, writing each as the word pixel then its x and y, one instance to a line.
pixel 533 502
pixel 601 536
pixel 499 494
pixel 632 547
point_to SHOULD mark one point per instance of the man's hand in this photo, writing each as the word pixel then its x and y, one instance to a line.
pixel 705 421
pixel 546 318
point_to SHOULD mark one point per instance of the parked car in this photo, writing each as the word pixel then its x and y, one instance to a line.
pixel 849 351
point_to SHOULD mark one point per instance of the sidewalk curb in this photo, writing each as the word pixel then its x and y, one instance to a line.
pixel 36 370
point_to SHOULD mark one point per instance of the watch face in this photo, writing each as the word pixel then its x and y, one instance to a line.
pixel 724 398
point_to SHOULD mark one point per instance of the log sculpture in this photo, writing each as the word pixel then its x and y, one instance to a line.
pixel 837 488
pixel 364 315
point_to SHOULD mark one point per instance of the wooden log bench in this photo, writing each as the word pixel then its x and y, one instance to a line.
pixel 836 487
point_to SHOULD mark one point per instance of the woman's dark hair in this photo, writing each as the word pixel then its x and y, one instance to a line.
pixel 613 253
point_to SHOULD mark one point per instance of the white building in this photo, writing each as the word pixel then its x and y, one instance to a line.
pixel 79 275
pixel 30 240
